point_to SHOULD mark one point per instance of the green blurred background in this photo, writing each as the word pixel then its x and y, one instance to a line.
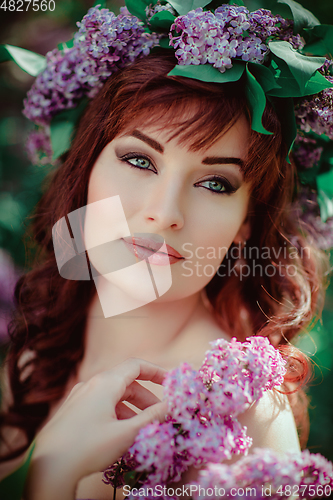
pixel 20 187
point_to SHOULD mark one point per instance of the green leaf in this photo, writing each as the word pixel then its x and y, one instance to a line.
pixel 325 204
pixel 289 85
pixel 66 45
pixel 264 76
pixel 164 43
pixel 319 40
pixel 325 183
pixel 30 62
pixel 317 83
pixel 102 3
pixel 138 7
pixel 302 17
pixel 207 73
pixel 257 102
pixel 301 66
pixel 184 6
pixel 62 128
pixel 236 2
pixel 162 21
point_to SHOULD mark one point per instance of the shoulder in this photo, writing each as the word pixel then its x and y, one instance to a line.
pixel 271 424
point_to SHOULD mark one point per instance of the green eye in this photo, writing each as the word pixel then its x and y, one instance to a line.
pixel 218 185
pixel 139 162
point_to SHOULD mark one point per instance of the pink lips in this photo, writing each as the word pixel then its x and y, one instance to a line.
pixel 148 249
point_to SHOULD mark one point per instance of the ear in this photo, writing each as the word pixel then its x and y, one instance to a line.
pixel 244 232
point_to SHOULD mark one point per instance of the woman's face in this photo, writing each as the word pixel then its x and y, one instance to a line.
pixel 196 201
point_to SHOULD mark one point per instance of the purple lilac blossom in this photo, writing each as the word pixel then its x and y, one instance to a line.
pixel 38 147
pixel 103 44
pixel 151 10
pixel 315 113
pixel 306 210
pixel 266 470
pixel 306 153
pixel 115 474
pixel 201 425
pixel 216 38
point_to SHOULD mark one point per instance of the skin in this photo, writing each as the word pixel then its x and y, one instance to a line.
pixel 176 204
pixel 174 199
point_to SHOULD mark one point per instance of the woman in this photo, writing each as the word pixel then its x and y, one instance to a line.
pixel 191 173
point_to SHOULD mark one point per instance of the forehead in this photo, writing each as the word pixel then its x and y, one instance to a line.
pixel 189 125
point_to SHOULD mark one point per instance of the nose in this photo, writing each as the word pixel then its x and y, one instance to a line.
pixel 164 206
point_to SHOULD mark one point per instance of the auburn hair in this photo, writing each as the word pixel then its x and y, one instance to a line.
pixel 51 313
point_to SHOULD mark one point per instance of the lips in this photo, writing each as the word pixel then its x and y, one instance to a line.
pixel 156 252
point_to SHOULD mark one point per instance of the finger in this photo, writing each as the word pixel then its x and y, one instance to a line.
pixel 123 412
pixel 151 414
pixel 140 396
pixel 129 428
pixel 139 369
pixel 125 373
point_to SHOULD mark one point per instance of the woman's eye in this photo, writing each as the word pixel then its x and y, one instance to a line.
pixel 139 162
pixel 218 185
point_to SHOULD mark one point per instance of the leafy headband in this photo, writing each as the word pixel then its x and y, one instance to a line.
pixel 284 55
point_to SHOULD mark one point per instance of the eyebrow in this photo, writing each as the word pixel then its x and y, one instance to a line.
pixel 148 140
pixel 209 160
pixel 222 160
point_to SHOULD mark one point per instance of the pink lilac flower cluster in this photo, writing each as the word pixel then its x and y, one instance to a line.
pixel 268 475
pixel 103 44
pixel 203 405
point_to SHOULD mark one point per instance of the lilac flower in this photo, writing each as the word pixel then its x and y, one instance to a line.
pixel 154 450
pixel 38 147
pixel 306 210
pixel 115 473
pixel 265 470
pixel 103 44
pixel 242 371
pixel 151 10
pixel 306 153
pixel 252 49
pixel 315 113
pixel 8 278
pixel 217 38
pixel 203 405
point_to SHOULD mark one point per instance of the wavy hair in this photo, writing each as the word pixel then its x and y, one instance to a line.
pixel 51 312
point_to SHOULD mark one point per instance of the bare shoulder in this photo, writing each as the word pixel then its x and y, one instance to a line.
pixel 271 424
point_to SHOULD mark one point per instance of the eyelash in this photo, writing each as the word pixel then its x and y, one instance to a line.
pixel 229 189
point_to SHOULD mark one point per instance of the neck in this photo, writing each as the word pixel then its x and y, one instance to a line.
pixel 146 332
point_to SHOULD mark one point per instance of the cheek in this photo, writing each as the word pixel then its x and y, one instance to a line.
pixel 217 231
pixel 107 181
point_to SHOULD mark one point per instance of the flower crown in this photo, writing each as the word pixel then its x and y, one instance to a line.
pixel 284 55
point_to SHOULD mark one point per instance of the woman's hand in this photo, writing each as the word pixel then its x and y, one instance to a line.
pixel 92 429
